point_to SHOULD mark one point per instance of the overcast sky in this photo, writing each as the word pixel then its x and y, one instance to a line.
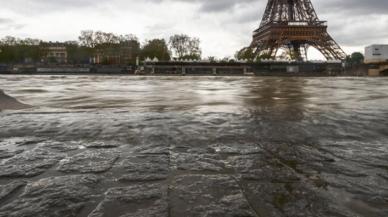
pixel 223 26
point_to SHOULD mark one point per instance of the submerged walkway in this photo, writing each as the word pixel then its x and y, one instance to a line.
pixel 270 147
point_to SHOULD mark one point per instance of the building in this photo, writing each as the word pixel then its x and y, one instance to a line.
pixel 123 53
pixel 54 53
pixel 376 57
pixel 376 54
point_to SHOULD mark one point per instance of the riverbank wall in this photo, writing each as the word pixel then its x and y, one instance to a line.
pixel 269 68
pixel 240 69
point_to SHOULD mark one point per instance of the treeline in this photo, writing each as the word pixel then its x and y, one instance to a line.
pixel 15 50
pixel 90 43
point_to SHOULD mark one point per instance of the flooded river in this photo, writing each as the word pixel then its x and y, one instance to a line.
pixel 94 146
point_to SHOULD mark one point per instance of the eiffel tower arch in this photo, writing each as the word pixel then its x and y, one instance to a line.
pixel 293 25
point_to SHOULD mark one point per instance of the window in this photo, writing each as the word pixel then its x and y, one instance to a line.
pixel 376 52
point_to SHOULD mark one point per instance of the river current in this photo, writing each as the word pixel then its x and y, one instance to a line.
pixel 264 146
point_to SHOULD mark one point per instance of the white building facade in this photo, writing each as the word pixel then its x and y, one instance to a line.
pixel 376 53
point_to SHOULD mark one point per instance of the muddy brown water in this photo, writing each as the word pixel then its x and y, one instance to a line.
pixel 194 146
pixel 9 103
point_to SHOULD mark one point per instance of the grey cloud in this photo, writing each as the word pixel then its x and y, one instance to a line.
pixel 7 24
pixel 222 5
pixel 235 16
pixel 216 5
pixel 209 6
pixel 33 7
pixel 355 7
pixel 5 21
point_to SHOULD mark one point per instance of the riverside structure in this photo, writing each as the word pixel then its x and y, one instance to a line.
pixel 181 68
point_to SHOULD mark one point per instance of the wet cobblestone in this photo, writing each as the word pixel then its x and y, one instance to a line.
pixel 242 148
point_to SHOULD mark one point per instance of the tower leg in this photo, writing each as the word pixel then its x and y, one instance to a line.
pixel 329 48
pixel 295 51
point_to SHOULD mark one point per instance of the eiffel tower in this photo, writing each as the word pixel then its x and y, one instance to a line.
pixel 294 26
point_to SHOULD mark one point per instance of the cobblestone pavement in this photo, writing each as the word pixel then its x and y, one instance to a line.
pixel 281 151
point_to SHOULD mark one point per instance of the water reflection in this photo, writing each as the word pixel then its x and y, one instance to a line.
pixel 278 98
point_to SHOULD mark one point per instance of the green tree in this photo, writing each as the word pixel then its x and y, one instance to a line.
pixel 357 58
pixel 15 50
pixel 354 59
pixel 246 53
pixel 264 56
pixel 156 48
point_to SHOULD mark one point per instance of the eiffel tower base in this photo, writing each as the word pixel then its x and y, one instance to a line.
pixel 293 25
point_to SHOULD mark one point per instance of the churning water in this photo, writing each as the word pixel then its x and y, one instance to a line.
pixel 294 146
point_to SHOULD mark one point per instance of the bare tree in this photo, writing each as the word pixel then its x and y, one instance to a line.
pixel 194 49
pixel 185 46
pixel 178 44
pixel 9 41
pixel 87 38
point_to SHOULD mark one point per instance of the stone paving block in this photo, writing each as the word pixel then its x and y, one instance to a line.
pixel 7 189
pixel 197 162
pixel 89 161
pixel 63 147
pixel 53 197
pixel 4 154
pixel 28 164
pixel 137 200
pixel 145 168
pixel 288 199
pixel 208 195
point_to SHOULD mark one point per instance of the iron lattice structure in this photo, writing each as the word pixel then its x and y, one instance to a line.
pixel 294 26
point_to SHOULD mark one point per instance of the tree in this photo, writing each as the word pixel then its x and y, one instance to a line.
pixel 128 37
pixel 194 49
pixel 212 59
pixel 156 48
pixel 355 59
pixel 110 38
pixel 265 56
pixel 179 43
pixel 15 50
pixel 30 42
pixel 245 54
pixel 87 38
pixel 72 43
pixel 185 47
pixel 108 47
pixel 9 41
